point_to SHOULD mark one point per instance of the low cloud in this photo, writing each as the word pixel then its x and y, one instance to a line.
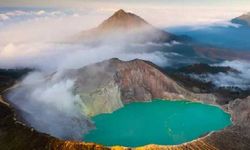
pixel 239 79
pixel 40 43
pixel 46 101
pixel 49 106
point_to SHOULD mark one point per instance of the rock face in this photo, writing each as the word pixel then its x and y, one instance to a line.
pixel 97 88
pixel 140 80
pixel 126 27
pixel 243 19
pixel 108 85
pixel 239 109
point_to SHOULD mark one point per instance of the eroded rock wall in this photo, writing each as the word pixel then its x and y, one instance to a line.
pixel 239 110
pixel 106 86
pixel 97 88
pixel 105 99
pixel 141 81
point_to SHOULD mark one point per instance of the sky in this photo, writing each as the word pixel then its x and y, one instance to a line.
pixel 118 2
pixel 162 13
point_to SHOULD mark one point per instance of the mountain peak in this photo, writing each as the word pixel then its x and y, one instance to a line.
pixel 124 21
pixel 122 25
pixel 120 12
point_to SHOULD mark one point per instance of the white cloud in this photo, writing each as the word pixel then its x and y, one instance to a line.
pixel 4 17
pixel 39 43
pixel 41 12
pixel 239 79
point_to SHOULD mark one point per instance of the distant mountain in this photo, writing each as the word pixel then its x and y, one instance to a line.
pixel 243 19
pixel 123 21
pixel 128 26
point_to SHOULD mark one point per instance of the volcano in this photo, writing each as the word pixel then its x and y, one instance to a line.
pixel 127 26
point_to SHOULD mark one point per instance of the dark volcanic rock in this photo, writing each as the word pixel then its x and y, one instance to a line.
pixel 215 54
pixel 205 69
pixel 237 136
pixel 9 76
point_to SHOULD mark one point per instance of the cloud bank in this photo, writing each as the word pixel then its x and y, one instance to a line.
pixel 240 79
pixel 39 42
pixel 38 39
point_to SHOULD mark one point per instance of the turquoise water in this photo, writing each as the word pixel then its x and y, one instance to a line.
pixel 157 122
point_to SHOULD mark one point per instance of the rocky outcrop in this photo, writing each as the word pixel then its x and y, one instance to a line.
pixel 239 110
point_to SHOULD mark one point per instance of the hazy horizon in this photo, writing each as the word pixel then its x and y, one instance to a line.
pixel 159 13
